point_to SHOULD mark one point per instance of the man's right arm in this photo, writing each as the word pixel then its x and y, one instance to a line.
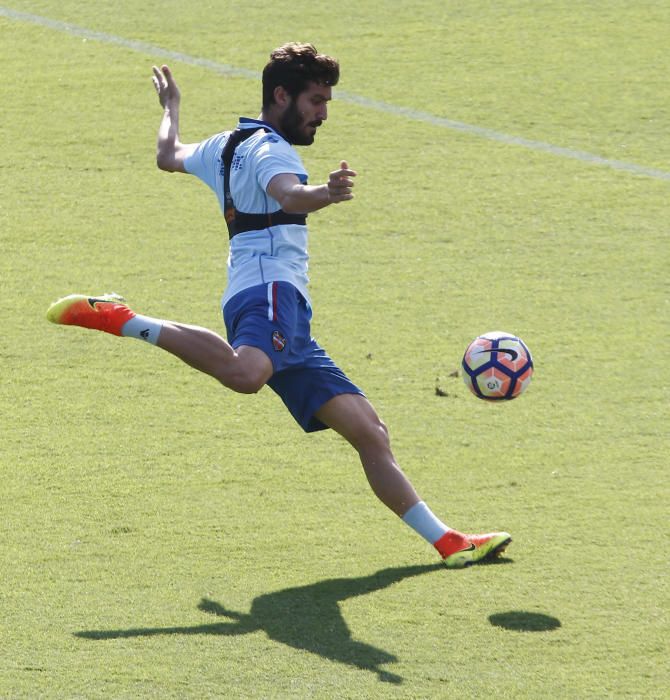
pixel 170 152
pixel 296 198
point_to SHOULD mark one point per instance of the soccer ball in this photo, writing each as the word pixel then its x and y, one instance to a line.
pixel 497 366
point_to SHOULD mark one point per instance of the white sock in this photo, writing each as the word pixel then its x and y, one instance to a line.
pixel 143 328
pixel 422 520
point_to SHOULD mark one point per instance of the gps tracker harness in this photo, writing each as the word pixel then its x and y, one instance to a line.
pixel 239 221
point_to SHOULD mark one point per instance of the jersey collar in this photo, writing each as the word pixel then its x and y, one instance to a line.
pixel 247 123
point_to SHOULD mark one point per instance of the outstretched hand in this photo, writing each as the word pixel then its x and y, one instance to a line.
pixel 340 183
pixel 166 88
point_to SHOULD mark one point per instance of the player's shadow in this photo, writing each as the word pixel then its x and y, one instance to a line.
pixel 305 617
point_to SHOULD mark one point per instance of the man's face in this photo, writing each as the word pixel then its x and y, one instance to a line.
pixel 305 114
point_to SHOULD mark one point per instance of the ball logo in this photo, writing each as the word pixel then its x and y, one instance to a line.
pixel 513 354
pixel 278 341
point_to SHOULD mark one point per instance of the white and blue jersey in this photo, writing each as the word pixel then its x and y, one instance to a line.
pixel 274 254
pixel 266 304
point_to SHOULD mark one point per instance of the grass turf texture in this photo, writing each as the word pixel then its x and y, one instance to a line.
pixel 162 537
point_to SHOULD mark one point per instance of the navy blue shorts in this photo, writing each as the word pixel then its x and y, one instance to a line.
pixel 275 318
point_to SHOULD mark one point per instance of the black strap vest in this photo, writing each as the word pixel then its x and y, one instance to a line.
pixel 239 221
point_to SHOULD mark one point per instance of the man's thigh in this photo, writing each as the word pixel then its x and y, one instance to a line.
pixel 353 417
pixel 266 317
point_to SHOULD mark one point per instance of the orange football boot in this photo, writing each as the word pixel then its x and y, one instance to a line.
pixel 107 312
pixel 459 551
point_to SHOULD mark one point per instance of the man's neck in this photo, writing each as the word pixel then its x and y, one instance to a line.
pixel 269 119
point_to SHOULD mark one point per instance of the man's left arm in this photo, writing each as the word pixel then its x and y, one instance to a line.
pixel 296 198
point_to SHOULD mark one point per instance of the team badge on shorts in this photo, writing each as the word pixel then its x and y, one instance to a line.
pixel 278 341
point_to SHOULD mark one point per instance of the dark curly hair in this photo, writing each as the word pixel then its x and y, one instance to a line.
pixel 294 65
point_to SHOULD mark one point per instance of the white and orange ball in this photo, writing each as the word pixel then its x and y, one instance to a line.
pixel 497 366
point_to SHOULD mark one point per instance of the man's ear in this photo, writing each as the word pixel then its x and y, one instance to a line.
pixel 282 98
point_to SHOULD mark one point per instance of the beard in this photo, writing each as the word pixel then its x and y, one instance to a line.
pixel 293 128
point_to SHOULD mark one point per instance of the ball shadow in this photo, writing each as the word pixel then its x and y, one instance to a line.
pixel 523 621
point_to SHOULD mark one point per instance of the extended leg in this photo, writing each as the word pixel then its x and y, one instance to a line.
pixel 245 369
pixel 354 417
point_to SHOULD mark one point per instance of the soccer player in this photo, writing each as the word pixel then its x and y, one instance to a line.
pixel 261 184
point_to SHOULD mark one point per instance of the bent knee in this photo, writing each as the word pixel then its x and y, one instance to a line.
pixel 373 433
pixel 380 430
pixel 244 384
pixel 247 387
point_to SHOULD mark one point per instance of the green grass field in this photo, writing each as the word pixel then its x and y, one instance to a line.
pixel 162 537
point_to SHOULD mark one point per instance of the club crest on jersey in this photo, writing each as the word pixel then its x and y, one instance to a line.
pixel 278 341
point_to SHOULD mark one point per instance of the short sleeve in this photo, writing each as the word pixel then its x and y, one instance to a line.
pixel 274 156
pixel 204 162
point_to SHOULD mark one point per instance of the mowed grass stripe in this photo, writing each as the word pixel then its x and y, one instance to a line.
pixel 348 97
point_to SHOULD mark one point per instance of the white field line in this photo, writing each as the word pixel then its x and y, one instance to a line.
pixel 361 101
